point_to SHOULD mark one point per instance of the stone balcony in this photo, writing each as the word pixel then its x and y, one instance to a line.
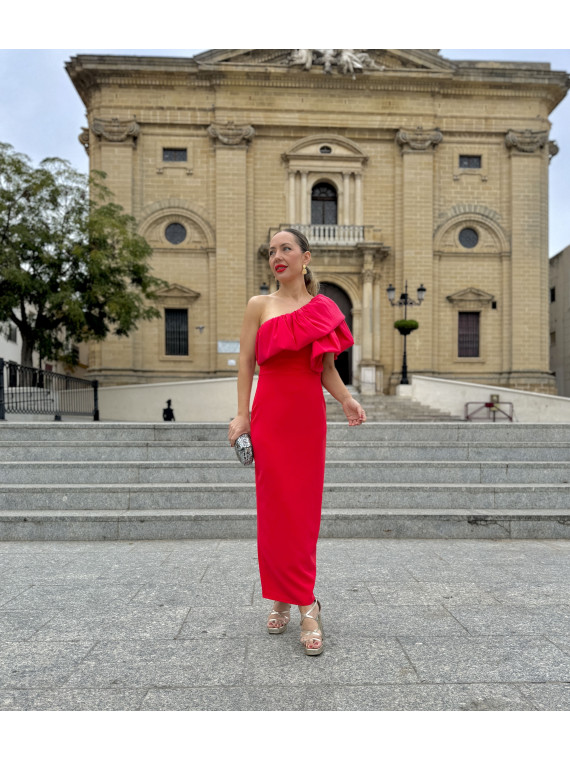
pixel 333 234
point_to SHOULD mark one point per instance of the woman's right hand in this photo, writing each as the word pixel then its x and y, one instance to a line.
pixel 238 426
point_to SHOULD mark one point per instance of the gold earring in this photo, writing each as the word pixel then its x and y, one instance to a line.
pixel 304 269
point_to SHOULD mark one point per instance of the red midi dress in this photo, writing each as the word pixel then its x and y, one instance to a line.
pixel 288 432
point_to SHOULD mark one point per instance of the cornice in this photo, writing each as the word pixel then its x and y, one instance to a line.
pixel 89 73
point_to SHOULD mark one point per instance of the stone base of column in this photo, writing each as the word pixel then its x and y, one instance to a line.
pixel 371 378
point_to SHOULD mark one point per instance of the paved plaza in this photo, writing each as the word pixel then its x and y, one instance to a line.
pixel 410 624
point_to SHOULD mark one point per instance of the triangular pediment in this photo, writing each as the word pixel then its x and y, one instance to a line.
pixel 177 291
pixel 329 61
pixel 471 295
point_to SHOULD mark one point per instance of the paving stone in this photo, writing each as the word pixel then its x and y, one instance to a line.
pixel 71 699
pixel 234 593
pixel 547 696
pixel 433 697
pixel 116 622
pixel 58 597
pixel 185 662
pixel 17 625
pixel 40 664
pixel 507 658
pixel 500 619
pixel 449 594
pixel 344 661
pixel 229 698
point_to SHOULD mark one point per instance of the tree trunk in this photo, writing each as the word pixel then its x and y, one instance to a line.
pixel 27 352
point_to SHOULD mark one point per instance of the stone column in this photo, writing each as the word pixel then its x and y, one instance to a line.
pixel 417 150
pixel 358 208
pixel 346 198
pixel 231 144
pixel 305 218
pixel 367 365
pixel 292 210
pixel 529 255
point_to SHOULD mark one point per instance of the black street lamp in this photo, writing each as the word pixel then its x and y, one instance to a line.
pixel 405 301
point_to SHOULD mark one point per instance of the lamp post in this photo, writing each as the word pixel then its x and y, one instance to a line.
pixel 405 301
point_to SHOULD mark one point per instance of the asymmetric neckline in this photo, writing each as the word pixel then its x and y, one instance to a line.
pixel 304 306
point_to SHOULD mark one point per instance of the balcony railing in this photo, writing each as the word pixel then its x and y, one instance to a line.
pixel 25 390
pixel 332 234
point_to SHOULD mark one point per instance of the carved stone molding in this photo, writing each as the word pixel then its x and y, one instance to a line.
pixel 526 141
pixel 471 296
pixel 418 140
pixel 116 130
pixel 368 275
pixel 84 138
pixel 232 134
pixel 553 149
pixel 346 61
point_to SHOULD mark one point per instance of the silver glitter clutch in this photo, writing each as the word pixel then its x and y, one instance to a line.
pixel 244 449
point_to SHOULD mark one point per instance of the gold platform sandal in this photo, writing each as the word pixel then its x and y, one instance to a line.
pixel 281 615
pixel 308 636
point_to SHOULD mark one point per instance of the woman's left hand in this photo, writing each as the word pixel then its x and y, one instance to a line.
pixel 355 414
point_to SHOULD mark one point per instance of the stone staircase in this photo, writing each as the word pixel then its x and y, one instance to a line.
pixel 91 481
pixel 389 409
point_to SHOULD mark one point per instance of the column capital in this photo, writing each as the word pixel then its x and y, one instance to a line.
pixel 526 141
pixel 115 130
pixel 231 134
pixel 418 140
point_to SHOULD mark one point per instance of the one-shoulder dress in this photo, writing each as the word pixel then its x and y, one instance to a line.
pixel 288 432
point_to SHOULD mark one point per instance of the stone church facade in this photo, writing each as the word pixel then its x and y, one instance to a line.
pixel 400 167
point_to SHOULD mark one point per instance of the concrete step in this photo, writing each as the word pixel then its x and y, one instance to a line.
pixel 224 471
pixel 241 523
pixel 154 497
pixel 117 432
pixel 186 451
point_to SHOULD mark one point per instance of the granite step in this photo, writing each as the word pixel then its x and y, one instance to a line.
pixel 117 432
pixel 224 471
pixel 70 481
pixel 241 523
pixel 186 451
pixel 158 496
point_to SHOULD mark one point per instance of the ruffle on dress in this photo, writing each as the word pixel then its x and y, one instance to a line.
pixel 319 322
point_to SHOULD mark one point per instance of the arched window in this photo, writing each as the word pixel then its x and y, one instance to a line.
pixel 323 204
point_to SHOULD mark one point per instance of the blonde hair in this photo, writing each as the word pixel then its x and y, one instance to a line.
pixel 311 282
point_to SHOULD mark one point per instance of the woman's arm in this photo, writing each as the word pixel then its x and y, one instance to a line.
pixel 240 424
pixel 355 414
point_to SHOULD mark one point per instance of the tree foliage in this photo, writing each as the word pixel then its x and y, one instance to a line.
pixel 72 266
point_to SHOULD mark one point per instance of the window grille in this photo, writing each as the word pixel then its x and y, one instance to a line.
pixel 468 334
pixel 176 332
pixel 469 162
pixel 174 154
pixel 323 204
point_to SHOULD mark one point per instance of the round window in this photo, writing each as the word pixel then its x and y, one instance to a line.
pixel 175 233
pixel 325 149
pixel 468 237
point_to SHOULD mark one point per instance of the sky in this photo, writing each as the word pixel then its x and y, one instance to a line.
pixel 41 113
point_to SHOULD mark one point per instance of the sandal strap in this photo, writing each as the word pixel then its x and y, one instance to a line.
pixel 308 614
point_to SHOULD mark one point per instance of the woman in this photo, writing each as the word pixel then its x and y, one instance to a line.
pixel 294 335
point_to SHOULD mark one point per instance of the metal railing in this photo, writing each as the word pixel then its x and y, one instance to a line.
pixel 26 390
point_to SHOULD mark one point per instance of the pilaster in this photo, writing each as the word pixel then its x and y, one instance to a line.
pixel 231 143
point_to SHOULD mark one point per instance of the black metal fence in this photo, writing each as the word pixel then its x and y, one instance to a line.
pixel 25 390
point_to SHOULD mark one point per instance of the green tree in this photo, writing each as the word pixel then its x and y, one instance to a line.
pixel 72 266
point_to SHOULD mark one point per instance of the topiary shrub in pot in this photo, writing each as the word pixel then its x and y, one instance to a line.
pixel 406 326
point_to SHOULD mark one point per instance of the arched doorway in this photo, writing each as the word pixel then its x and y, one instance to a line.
pixel 342 300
